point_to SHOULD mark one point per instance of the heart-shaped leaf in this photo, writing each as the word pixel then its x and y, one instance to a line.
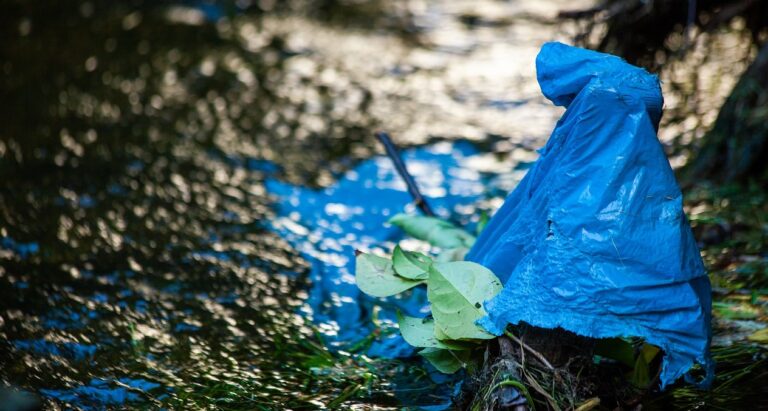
pixel 410 264
pixel 433 230
pixel 375 276
pixel 420 332
pixel 457 291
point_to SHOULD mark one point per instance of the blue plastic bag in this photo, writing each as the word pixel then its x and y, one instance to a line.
pixel 594 239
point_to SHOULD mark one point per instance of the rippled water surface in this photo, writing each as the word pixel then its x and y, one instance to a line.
pixel 150 154
pixel 182 185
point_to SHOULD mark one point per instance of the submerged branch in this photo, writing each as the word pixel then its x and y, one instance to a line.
pixel 394 155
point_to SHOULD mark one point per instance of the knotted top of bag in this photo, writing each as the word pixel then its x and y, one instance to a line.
pixel 563 71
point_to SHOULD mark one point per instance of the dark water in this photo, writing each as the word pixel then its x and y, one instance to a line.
pixel 133 255
pixel 138 261
pixel 160 241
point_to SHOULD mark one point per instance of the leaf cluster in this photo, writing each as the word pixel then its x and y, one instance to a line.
pixel 456 290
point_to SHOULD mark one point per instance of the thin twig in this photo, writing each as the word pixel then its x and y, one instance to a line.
pixel 394 155
pixel 537 387
pixel 589 404
pixel 530 350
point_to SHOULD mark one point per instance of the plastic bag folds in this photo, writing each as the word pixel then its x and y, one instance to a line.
pixel 594 239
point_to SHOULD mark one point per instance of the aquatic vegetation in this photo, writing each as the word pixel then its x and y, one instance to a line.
pixel 456 291
pixel 450 339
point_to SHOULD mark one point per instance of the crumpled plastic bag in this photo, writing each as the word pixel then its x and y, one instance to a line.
pixel 594 239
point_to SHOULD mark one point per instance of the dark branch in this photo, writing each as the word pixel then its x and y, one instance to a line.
pixel 394 155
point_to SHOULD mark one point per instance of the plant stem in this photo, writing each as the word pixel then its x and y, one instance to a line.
pixel 529 349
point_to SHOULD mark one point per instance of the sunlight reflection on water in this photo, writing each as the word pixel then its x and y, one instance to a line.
pixel 138 260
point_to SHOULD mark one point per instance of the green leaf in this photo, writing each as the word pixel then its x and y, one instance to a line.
pixel 452 254
pixel 633 355
pixel 616 349
pixel 420 332
pixel 649 352
pixel 375 276
pixel 439 332
pixel 410 264
pixel 640 376
pixel 433 230
pixel 446 361
pixel 457 291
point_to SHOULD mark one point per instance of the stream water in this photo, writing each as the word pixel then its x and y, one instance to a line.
pixel 178 180
pixel 145 258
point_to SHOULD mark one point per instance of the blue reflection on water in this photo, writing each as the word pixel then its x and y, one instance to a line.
pixel 75 351
pixel 101 392
pixel 23 250
pixel 326 226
